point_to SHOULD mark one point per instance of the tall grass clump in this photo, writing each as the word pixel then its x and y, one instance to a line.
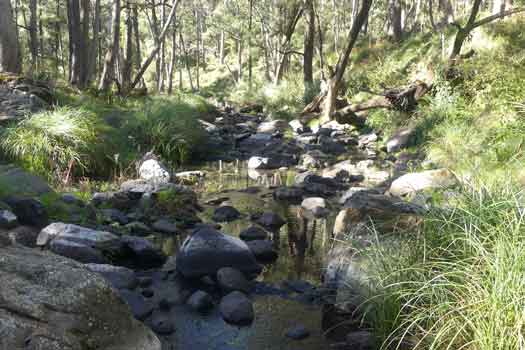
pixel 53 143
pixel 459 283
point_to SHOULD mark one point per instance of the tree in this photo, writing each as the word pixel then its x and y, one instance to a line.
pixel 78 53
pixel 309 43
pixel 108 74
pixel 9 46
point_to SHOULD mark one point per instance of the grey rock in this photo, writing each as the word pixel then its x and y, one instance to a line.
pixel 401 138
pixel 74 233
pixel 161 323
pixel 288 194
pixel 208 250
pixel 226 214
pixel 140 307
pixel 24 235
pixel 237 309
pixel 271 221
pixel 29 211
pixel 77 251
pixel 166 226
pixel 138 228
pixel 425 180
pixel 16 181
pixel 7 219
pixel 142 252
pixel 34 282
pixel 119 277
pixel 298 332
pixel 272 126
pixel 316 205
pixel 114 215
pixel 263 250
pixel 230 279
pixel 153 170
pixel 200 301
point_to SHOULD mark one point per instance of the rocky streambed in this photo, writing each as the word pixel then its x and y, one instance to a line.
pixel 248 252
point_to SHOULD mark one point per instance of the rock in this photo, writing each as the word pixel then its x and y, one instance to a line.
pixel 328 146
pixel 142 253
pixel 316 206
pixel 274 161
pixel 402 138
pixel 253 233
pixel 361 340
pixel 200 301
pixel 293 195
pixel 226 214
pixel 299 286
pixel 74 233
pixel 272 126
pixel 77 251
pixel 237 309
pixel 216 200
pixel 148 293
pixel 28 210
pixel 135 189
pixel 367 139
pixel 271 221
pixel 207 250
pixel 209 127
pixel 166 226
pixel 230 279
pixel 114 215
pixel 24 235
pixel 153 170
pixel 297 126
pixel 140 307
pixel 60 305
pixel 161 324
pixel 298 332
pixel 119 277
pixel 15 181
pixel 313 159
pixel 263 250
pixel 319 186
pixel 70 198
pixel 425 180
pixel 7 219
pixel 138 228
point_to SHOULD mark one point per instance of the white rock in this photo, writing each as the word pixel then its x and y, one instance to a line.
pixel 153 170
pixel 315 205
pixel 430 179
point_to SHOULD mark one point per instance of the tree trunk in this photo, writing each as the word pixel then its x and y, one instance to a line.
pixel 77 46
pixel 222 53
pixel 250 58
pixel 9 46
pixel 108 73
pixel 173 59
pixel 128 59
pixel 239 60
pixel 309 38
pixel 186 60
pixel 33 34
pixel 285 46
pixel 334 83
pixel 136 33
pixel 395 18
pixel 94 46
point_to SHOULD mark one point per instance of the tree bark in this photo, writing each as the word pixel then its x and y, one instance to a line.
pixel 108 73
pixel 297 12
pixel 33 34
pixel 9 46
pixel 309 39
pixel 395 18
pixel 77 46
pixel 128 59
pixel 94 46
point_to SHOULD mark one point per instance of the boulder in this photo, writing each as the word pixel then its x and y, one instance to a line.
pixel 271 221
pixel 161 323
pixel 272 126
pixel 425 180
pixel 226 214
pixel 230 279
pixel 200 301
pixel 110 216
pixel 401 138
pixel 154 170
pixel 15 181
pixel 263 250
pixel 119 277
pixel 288 194
pixel 77 251
pixel 253 233
pixel 298 332
pixel 74 233
pixel 166 226
pixel 207 250
pixel 60 305
pixel 7 219
pixel 142 253
pixel 237 309
pixel 29 211
pixel 316 205
pixel 313 159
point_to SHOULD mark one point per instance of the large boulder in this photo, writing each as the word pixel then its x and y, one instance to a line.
pixel 153 170
pixel 237 309
pixel 29 211
pixel 53 303
pixel 207 250
pixel 226 213
pixel 15 181
pixel 425 180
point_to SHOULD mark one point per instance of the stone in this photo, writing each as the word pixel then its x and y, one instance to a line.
pixel 77 251
pixel 8 220
pixel 166 226
pixel 313 159
pixel 16 181
pixel 361 340
pixel 237 309
pixel 61 305
pixel 263 250
pixel 298 332
pixel 114 215
pixel 400 139
pixel 299 286
pixel 140 307
pixel 153 170
pixel 138 228
pixel 297 126
pixel 24 235
pixel 226 213
pixel 161 324
pixel 328 146
pixel 74 233
pixel 271 221
pixel 291 194
pixel 230 279
pixel 253 233
pixel 119 277
pixel 272 126
pixel 29 211
pixel 316 205
pixel 200 301
pixel 70 198
pixel 425 180
pixel 143 253
pixel 207 250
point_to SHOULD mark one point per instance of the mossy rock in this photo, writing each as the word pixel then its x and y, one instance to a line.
pixel 16 181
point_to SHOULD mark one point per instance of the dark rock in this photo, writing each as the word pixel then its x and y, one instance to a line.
pixel 271 221
pixel 207 250
pixel 237 309
pixel 138 228
pixel 361 340
pixel 77 251
pixel 145 282
pixel 61 305
pixel 230 279
pixel 119 277
pixel 226 214
pixel 253 233
pixel 114 215
pixel 142 253
pixel 166 226
pixel 263 250
pixel 28 210
pixel 200 301
pixel 298 332
pixel 299 286
pixel 165 304
pixel 24 235
pixel 289 194
pixel 101 198
pixel 161 324
pixel 148 293
pixel 140 307
pixel 8 219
